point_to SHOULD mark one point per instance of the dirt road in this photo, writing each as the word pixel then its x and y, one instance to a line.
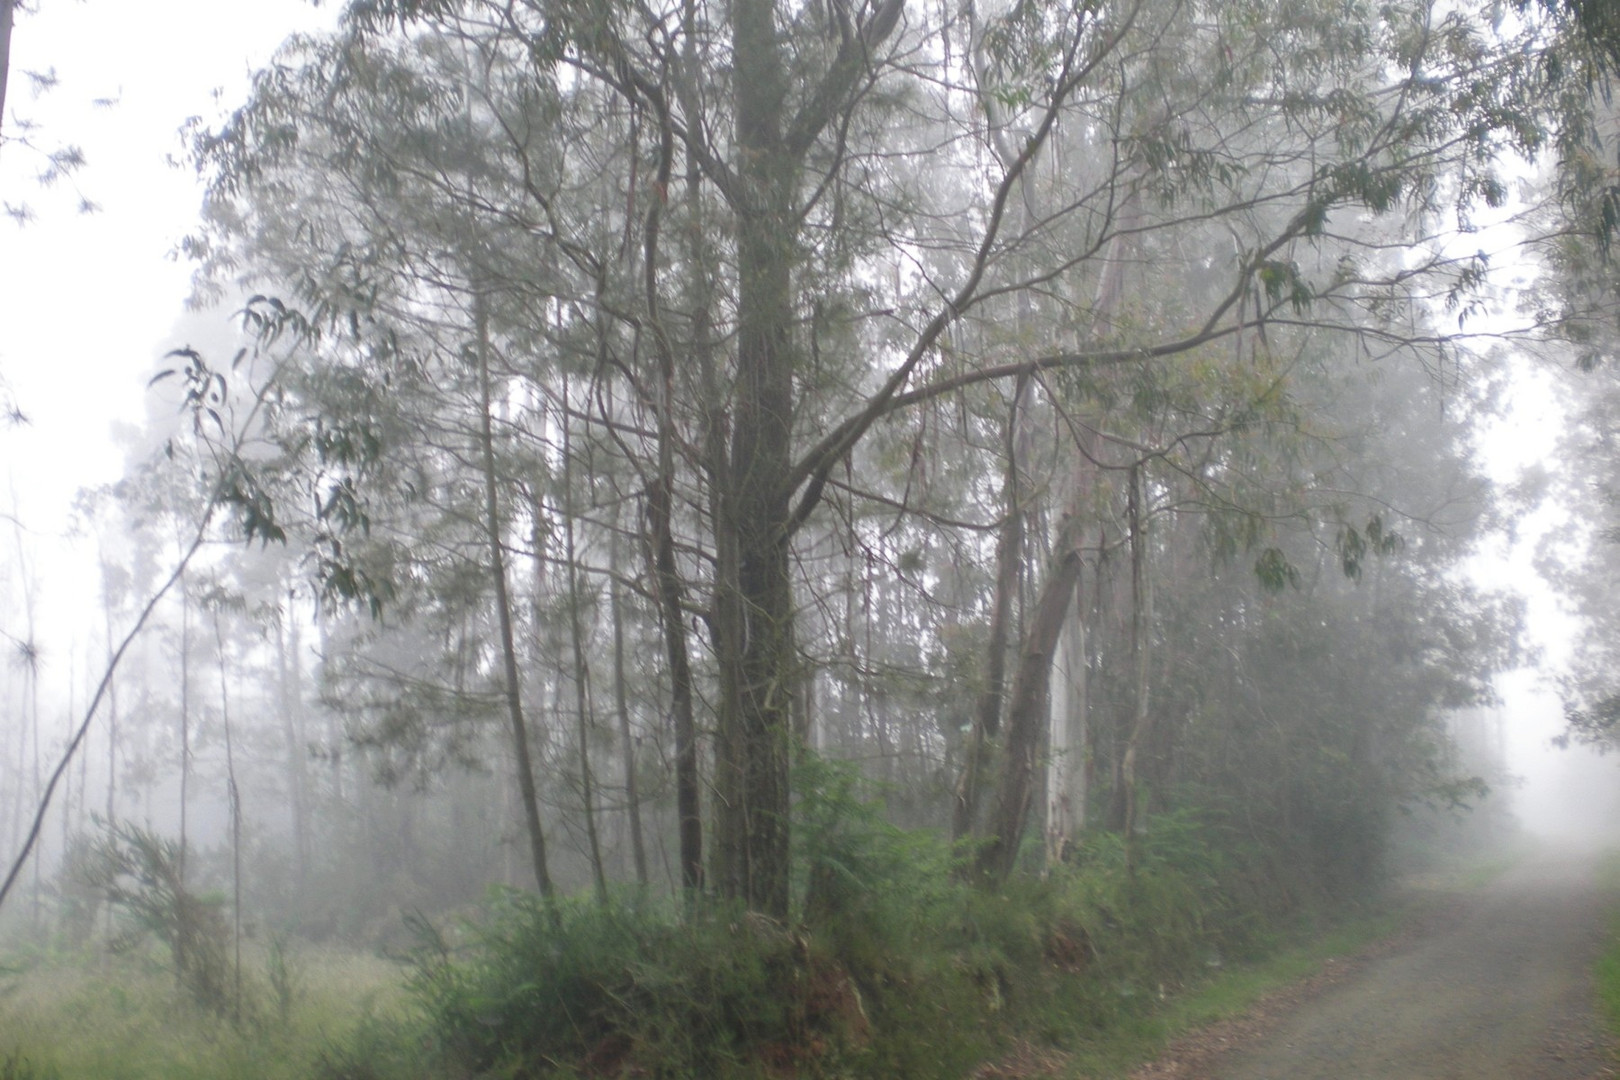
pixel 1497 985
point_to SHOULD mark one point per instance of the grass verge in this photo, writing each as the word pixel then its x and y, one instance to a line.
pixel 1606 974
pixel 123 1018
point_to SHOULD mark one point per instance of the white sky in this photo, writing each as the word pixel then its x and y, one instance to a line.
pixel 88 302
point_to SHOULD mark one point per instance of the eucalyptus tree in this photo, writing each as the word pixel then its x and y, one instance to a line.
pixel 786 231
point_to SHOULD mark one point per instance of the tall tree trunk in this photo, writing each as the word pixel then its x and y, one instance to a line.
pixel 289 695
pixel 185 719
pixel 234 804
pixel 1066 764
pixel 112 725
pixel 1027 707
pixel 503 604
pixel 582 685
pixel 1141 712
pixel 668 586
pixel 621 706
pixel 1009 563
pixel 754 602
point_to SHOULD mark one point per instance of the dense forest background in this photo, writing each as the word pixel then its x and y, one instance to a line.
pixel 723 453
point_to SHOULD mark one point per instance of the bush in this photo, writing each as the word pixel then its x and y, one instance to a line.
pixel 140 872
pixel 893 969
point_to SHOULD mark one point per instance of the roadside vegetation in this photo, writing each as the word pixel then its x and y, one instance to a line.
pixel 895 968
pixel 1606 973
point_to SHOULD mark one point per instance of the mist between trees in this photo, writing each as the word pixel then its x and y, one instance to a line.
pixel 1049 418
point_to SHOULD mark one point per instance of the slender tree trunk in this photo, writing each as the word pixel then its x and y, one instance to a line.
pixel 112 699
pixel 1142 714
pixel 234 803
pixel 621 705
pixel 668 586
pixel 503 605
pixel 289 696
pixel 582 695
pixel 185 719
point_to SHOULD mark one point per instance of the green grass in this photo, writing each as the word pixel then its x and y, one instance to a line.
pixel 1606 974
pixel 124 1019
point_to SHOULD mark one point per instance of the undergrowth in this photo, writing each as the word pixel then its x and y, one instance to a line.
pixel 892 967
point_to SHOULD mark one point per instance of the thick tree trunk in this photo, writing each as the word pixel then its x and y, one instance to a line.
pixel 754 602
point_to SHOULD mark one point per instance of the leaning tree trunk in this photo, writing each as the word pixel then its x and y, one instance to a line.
pixel 1027 708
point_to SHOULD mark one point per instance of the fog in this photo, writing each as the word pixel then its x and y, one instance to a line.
pixel 1565 794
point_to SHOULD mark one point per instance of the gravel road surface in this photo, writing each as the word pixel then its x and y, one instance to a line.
pixel 1497 985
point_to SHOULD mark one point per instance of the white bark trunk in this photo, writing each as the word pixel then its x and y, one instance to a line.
pixel 1066 764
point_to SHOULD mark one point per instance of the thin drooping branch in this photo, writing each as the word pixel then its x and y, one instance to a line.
pixel 229 466
pixel 101 691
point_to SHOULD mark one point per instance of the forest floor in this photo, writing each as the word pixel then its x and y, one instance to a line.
pixel 1493 980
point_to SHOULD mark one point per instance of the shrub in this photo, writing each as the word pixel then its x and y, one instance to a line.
pixel 140 872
